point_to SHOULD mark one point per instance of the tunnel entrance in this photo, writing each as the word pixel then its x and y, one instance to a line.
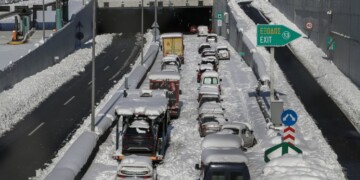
pixel 127 20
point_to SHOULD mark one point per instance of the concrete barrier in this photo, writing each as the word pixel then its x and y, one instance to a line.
pixel 61 44
pixel 233 31
pixel 79 152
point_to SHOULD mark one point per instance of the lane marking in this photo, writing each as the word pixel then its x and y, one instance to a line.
pixel 69 100
pixel 89 82
pixel 122 50
pixel 122 68
pixel 116 58
pixel 32 132
pixel 107 67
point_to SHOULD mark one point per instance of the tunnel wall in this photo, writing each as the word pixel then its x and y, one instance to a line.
pixel 59 45
pixel 344 19
pixel 114 20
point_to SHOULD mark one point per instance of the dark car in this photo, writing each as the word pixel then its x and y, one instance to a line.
pixel 203 46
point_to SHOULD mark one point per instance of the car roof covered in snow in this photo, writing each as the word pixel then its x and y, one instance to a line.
pixel 207 66
pixel 223 156
pixel 212 34
pixel 213 90
pixel 209 59
pixel 221 141
pixel 169 58
pixel 170 35
pixel 210 74
pixel 164 75
pixel 221 47
pixel 236 125
pixel 133 104
pixel 136 161
pixel 211 108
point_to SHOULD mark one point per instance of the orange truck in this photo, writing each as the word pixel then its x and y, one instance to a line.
pixel 171 82
pixel 173 43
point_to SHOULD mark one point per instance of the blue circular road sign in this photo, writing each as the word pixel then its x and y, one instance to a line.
pixel 289 117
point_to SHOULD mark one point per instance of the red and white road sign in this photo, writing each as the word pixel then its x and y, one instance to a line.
pixel 309 25
pixel 289 135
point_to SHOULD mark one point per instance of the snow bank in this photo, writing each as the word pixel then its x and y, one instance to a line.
pixel 26 95
pixel 103 158
pixel 339 87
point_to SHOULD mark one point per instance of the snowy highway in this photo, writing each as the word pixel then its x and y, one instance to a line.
pixel 34 141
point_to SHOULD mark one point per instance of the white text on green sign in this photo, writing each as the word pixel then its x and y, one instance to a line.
pixel 275 35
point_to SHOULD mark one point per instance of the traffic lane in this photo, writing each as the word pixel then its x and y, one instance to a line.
pixel 20 154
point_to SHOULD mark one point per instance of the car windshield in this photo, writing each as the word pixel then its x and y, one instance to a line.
pixel 236 176
pixel 210 80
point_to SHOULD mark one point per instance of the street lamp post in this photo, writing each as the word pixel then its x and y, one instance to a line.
pixel 43 7
pixel 93 69
pixel 142 32
pixel 155 29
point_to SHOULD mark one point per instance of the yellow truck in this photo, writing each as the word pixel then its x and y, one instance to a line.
pixel 173 43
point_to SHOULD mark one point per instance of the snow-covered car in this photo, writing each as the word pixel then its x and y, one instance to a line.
pixel 222 141
pixel 202 30
pixel 203 46
pixel 208 94
pixel 210 108
pixel 202 68
pixel 210 60
pixel 170 64
pixel 135 167
pixel 171 59
pixel 241 129
pixel 222 53
pixel 227 164
pixel 210 123
pixel 212 38
pixel 208 52
pixel 211 78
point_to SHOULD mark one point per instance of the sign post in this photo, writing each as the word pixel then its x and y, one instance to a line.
pixel 274 36
pixel 288 118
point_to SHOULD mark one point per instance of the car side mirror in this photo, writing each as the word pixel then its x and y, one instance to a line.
pixel 197 70
pixel 221 100
pixel 199 64
pixel 180 91
pixel 226 120
pixel 197 166
pixel 223 109
pixel 220 79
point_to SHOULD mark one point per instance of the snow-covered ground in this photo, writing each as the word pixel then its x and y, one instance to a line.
pixel 239 83
pixel 332 80
pixel 102 156
pixel 26 95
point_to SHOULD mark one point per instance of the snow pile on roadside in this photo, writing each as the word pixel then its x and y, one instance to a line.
pixel 305 168
pixel 332 80
pixel 309 137
pixel 103 157
pixel 26 95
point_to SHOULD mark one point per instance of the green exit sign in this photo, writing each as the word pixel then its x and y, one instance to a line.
pixel 275 35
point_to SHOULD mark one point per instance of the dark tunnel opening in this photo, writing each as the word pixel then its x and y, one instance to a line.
pixel 127 20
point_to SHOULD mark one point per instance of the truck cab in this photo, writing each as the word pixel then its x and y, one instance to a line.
pixel 173 43
pixel 171 82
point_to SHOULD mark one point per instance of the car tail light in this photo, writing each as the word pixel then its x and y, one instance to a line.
pixel 121 176
pixel 147 177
